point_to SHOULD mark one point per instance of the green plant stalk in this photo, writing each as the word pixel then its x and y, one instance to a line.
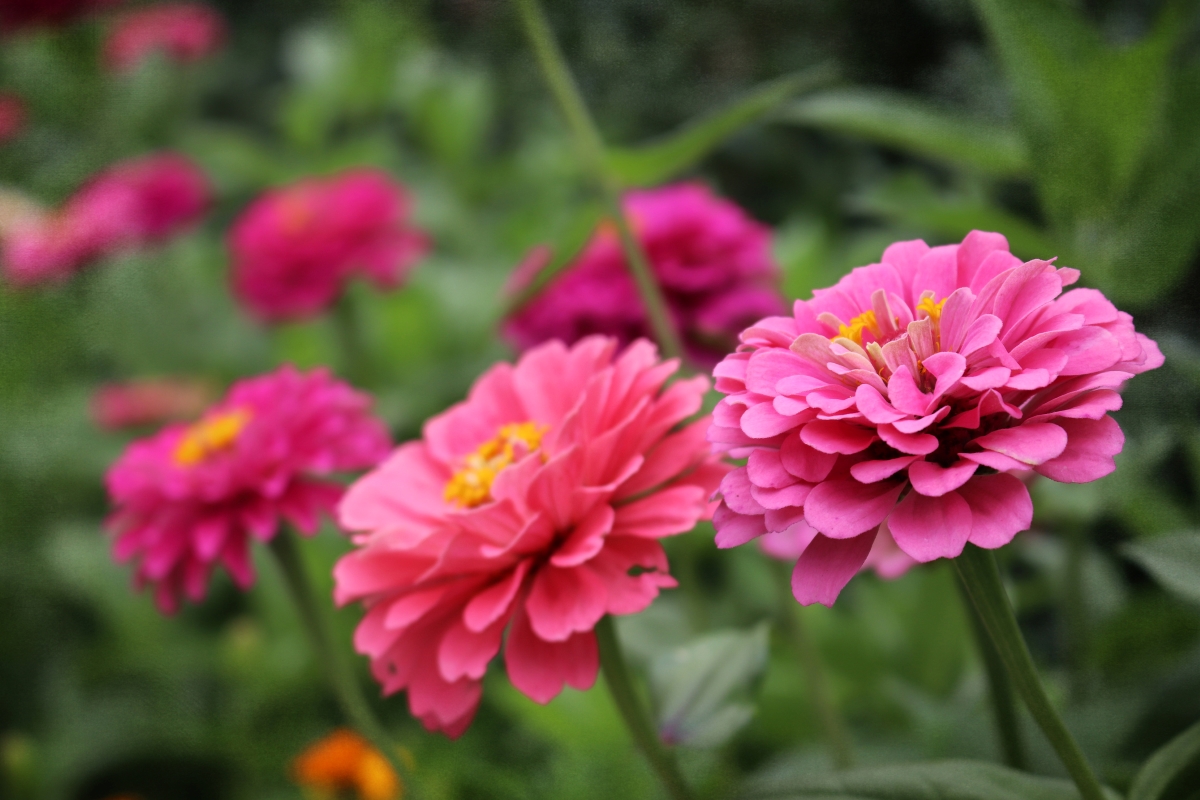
pixel 1075 611
pixel 336 668
pixel 791 621
pixel 1000 688
pixel 347 329
pixel 620 684
pixel 977 569
pixel 591 149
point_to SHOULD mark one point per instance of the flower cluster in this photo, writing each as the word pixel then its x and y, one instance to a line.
pixel 193 496
pixel 295 248
pixel 524 508
pixel 713 263
pixel 903 400
pixel 183 32
pixel 133 203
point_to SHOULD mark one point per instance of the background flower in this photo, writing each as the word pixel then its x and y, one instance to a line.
pixel 183 32
pixel 12 117
pixel 148 402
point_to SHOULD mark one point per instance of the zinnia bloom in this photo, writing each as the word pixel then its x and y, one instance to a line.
pixel 295 248
pixel 906 400
pixel 711 260
pixel 184 32
pixel 524 508
pixel 148 402
pixel 193 496
pixel 12 117
pixel 345 762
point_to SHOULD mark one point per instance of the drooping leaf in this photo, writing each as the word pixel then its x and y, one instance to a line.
pixel 661 160
pixel 700 688
pixel 891 119
pixel 933 780
pixel 1174 561
pixel 1168 764
pixel 574 238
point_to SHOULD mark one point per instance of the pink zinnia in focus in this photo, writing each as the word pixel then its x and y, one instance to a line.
pixel 906 401
pixel 524 508
pixel 12 117
pixel 295 248
pixel 712 261
pixel 193 496
pixel 184 32
pixel 148 402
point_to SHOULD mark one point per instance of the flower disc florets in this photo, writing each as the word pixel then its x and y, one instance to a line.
pixel 904 398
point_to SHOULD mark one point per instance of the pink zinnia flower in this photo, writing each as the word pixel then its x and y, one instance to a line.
pixel 12 117
pixel 193 496
pixel 295 248
pixel 148 402
pixel 906 400
pixel 184 32
pixel 711 260
pixel 16 14
pixel 524 508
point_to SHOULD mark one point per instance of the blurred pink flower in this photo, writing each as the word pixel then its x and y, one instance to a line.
pixel 16 14
pixel 183 32
pixel 148 402
pixel 712 261
pixel 524 508
pixel 295 248
pixel 911 397
pixel 193 496
pixel 12 117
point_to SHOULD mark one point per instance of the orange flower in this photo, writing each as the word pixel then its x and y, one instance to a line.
pixel 345 762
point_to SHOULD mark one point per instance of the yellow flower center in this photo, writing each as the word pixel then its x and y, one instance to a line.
pixel 934 310
pixel 472 485
pixel 854 331
pixel 210 435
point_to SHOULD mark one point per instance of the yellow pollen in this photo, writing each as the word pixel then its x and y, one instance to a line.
pixel 472 485
pixel 854 331
pixel 209 436
pixel 934 310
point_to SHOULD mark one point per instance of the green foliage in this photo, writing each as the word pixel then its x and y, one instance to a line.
pixel 1173 560
pixel 1167 767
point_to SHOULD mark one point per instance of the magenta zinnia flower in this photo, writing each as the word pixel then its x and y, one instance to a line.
pixel 184 32
pixel 12 116
pixel 524 508
pixel 903 400
pixel 193 496
pixel 295 248
pixel 711 260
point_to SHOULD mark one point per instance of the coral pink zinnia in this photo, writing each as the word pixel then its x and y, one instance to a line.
pixel 903 399
pixel 193 496
pixel 295 248
pixel 524 508
pixel 184 32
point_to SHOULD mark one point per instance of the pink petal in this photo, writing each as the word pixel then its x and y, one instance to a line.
pixel 493 602
pixel 735 490
pixel 466 653
pixel 805 462
pixel 664 513
pixel 929 528
pixel 1032 443
pixel 842 509
pixel 762 421
pixel 1000 509
pixel 765 468
pixel 874 407
pixel 827 565
pixel 1091 445
pixel 539 668
pixel 586 539
pixel 832 436
pixel 905 395
pixel 734 529
pixel 875 471
pixel 565 601
pixel 917 444
pixel 934 480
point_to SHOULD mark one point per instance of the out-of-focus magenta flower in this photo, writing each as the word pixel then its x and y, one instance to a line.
pixel 12 117
pixel 140 201
pixel 295 248
pixel 17 14
pixel 193 496
pixel 712 261
pixel 183 32
pixel 910 398
pixel 524 508
pixel 148 402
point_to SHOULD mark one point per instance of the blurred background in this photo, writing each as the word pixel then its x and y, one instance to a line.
pixel 1071 126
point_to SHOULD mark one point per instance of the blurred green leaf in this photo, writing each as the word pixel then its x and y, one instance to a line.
pixel 891 119
pixel 662 160
pixel 1165 766
pixel 1174 561
pixel 694 686
pixel 578 233
pixel 944 780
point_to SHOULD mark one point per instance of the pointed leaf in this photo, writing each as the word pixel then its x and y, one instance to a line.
pixel 1167 765
pixel 1174 561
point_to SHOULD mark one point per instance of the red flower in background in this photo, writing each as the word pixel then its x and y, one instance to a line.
pixel 12 117
pixel 148 402
pixel 712 261
pixel 295 248
pixel 183 32
pixel 17 14
pixel 193 496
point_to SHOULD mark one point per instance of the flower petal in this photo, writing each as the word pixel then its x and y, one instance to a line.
pixel 842 509
pixel 929 528
pixel 827 565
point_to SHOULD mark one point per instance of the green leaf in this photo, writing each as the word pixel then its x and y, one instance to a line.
pixel 1167 765
pixel 661 160
pixel 937 780
pixel 576 236
pixel 1174 561
pixel 695 686
pixel 893 120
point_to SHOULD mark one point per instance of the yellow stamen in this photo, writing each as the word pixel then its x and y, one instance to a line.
pixel 854 331
pixel 934 310
pixel 209 436
pixel 472 485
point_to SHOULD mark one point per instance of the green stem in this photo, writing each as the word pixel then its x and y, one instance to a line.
pixel 1074 611
pixel 977 569
pixel 1000 688
pixel 591 149
pixel 347 328
pixel 336 668
pixel 620 684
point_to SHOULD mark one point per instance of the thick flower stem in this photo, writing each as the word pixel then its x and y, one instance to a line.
pixel 791 621
pixel 337 669
pixel 591 149
pixel 981 577
pixel 1000 688
pixel 620 684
